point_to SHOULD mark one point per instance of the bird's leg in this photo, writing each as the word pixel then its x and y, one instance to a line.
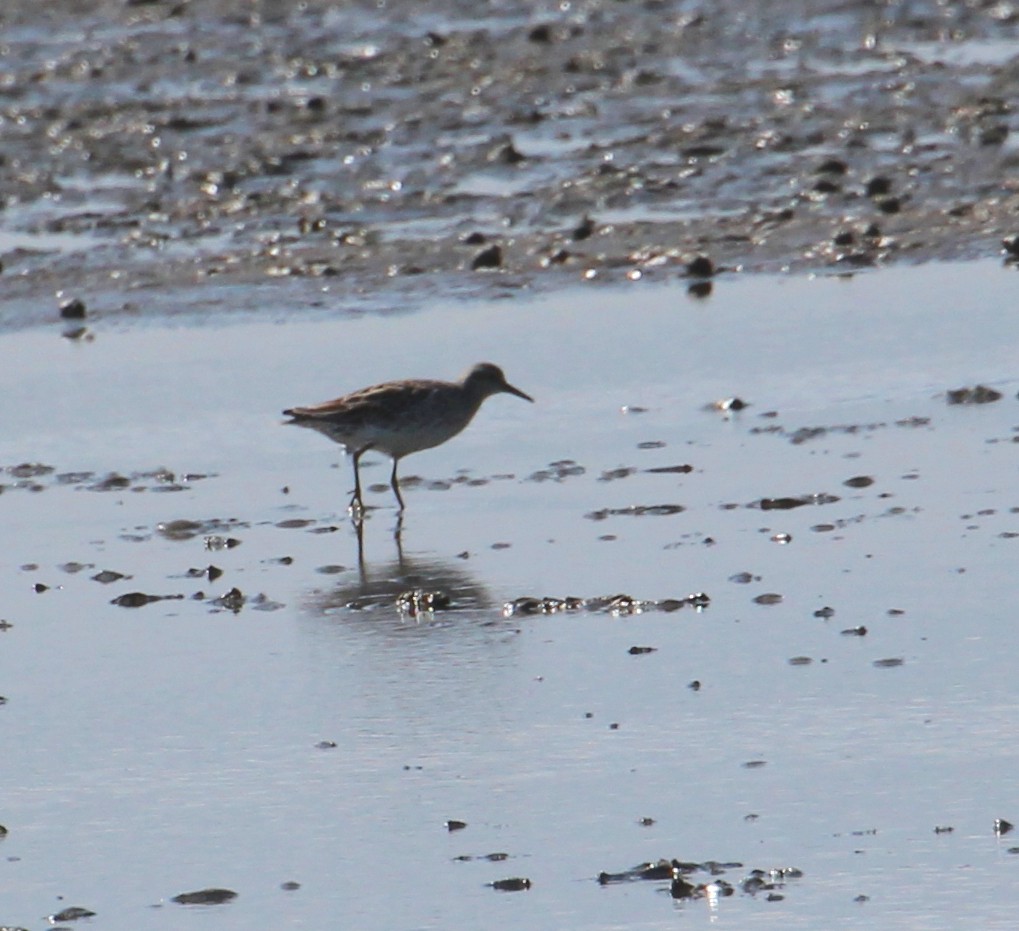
pixel 396 485
pixel 356 506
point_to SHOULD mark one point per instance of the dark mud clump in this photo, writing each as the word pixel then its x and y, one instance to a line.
pixel 515 884
pixel 978 394
pixel 619 605
pixel 683 878
pixel 609 143
pixel 140 599
pixel 72 913
pixel 205 897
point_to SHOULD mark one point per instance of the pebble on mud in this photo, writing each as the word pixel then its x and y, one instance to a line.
pixel 139 599
pixel 700 267
pixel 73 913
pixel 453 825
pixel 978 394
pixel 205 897
pixel 73 309
pixel 516 884
pixel 487 258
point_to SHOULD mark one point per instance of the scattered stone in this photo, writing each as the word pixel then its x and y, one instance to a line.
pixel 979 394
pixel 700 267
pixel 488 258
pixel 107 576
pixel 454 825
pixel 516 884
pixel 637 510
pixel 1001 826
pixel 73 309
pixel 233 600
pixel 639 651
pixel 419 601
pixel 205 897
pixel 140 599
pixel 584 230
pixel 889 663
pixel 73 913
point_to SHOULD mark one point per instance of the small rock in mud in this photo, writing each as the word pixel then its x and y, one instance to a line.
pixel 420 601
pixel 294 523
pixel 943 829
pixel 1001 826
pixel 637 510
pixel 73 913
pixel 889 663
pixel 700 267
pixel 666 470
pixel 640 651
pixel 800 661
pixel 29 470
pixel 825 612
pixel 233 600
pixel 73 309
pixel 210 572
pixel 139 599
pixel 490 257
pixel 859 481
pixel 978 394
pixel 326 745
pixel 729 404
pixel 205 897
pixel 860 631
pixel 107 576
pixel 768 598
pixel 72 568
pixel 113 481
pixel 584 230
pixel 453 825
pixel 290 886
pixel 516 884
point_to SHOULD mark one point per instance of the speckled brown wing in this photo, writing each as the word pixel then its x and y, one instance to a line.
pixel 380 406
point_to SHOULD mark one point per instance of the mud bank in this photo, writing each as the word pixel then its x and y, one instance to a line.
pixel 159 154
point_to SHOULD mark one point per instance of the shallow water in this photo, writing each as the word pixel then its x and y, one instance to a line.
pixel 155 750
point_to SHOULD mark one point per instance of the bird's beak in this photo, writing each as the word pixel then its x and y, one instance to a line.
pixel 507 387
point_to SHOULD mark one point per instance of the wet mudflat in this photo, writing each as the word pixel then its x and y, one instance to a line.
pixel 615 629
pixel 161 157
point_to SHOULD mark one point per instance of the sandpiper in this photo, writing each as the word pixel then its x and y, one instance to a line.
pixel 402 417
